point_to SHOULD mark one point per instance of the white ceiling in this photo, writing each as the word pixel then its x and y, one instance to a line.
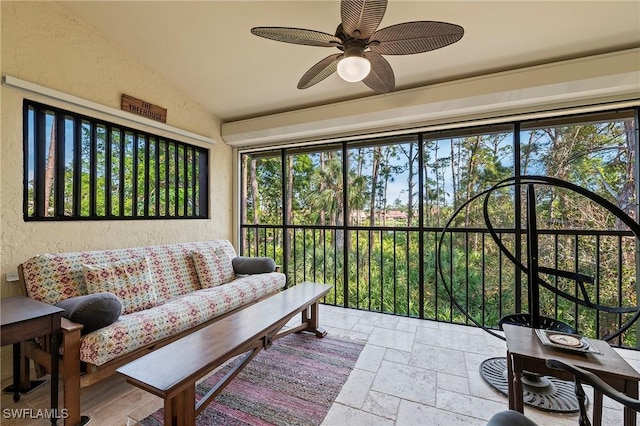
pixel 206 49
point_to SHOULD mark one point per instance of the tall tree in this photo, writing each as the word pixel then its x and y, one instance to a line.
pixel 408 151
pixel 289 190
pixel 375 169
pixel 387 173
pixel 473 143
pixel 254 200
pixel 243 196
pixel 322 187
pixel 50 168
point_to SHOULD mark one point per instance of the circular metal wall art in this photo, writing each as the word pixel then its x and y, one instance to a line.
pixel 544 392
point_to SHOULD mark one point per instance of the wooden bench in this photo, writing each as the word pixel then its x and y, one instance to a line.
pixel 172 371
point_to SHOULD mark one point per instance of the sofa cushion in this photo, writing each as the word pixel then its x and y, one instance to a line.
pixel 243 265
pixel 94 311
pixel 138 329
pixel 51 278
pixel 214 267
pixel 130 280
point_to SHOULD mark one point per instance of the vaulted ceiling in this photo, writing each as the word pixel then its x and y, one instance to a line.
pixel 206 49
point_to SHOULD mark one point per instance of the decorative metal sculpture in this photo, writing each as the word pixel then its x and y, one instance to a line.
pixel 543 392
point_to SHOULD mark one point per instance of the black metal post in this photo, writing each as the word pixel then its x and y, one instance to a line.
pixel 532 258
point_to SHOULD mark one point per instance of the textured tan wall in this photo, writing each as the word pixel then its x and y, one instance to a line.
pixel 43 44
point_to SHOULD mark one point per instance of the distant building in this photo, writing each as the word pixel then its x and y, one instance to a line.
pixel 395 215
pixel 381 216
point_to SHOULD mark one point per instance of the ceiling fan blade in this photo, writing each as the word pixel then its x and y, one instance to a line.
pixel 414 37
pixel 297 36
pixel 362 15
pixel 319 71
pixel 381 77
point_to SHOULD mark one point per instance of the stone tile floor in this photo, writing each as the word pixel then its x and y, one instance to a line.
pixel 410 372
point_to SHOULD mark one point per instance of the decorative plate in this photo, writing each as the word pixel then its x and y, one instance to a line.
pixel 570 342
pixel 563 340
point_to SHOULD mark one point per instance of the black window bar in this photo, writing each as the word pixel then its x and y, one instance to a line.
pixel 81 168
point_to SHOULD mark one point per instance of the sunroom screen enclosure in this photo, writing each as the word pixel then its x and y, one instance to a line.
pixel 366 216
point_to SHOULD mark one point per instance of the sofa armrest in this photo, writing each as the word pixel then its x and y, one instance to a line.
pixel 243 265
pixel 71 333
pixel 69 326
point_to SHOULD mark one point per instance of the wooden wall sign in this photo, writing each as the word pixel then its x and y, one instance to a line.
pixel 145 109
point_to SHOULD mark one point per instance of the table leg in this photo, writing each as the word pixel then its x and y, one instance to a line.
pixel 25 374
pixel 172 407
pixel 517 385
pixel 180 410
pixel 190 406
pixel 597 408
pixel 16 372
pixel 313 321
pixel 631 389
pixel 512 401
pixel 55 366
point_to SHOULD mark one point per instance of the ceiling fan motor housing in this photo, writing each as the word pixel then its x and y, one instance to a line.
pixel 354 48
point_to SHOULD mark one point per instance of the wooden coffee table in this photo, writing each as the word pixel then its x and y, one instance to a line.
pixel 172 371
pixel 526 352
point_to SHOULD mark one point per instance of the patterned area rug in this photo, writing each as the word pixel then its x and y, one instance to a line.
pixel 292 383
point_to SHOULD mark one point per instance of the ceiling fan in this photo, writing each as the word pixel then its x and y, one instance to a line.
pixel 362 46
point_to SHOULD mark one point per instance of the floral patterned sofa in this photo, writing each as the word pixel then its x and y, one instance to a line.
pixel 159 293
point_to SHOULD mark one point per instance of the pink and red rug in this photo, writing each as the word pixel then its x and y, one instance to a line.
pixel 292 383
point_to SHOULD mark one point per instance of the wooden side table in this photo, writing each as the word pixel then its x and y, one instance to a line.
pixel 22 319
pixel 526 352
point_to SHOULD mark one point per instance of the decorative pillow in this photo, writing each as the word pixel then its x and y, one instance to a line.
pixel 253 265
pixel 94 311
pixel 213 267
pixel 130 280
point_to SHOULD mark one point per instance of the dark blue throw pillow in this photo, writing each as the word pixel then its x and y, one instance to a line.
pixel 243 265
pixel 94 311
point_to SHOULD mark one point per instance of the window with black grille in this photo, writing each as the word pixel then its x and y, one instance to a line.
pixel 81 168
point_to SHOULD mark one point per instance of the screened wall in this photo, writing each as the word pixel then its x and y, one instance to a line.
pixel 366 215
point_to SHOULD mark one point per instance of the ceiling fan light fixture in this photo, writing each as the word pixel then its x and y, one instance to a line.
pixel 353 68
pixel 363 44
